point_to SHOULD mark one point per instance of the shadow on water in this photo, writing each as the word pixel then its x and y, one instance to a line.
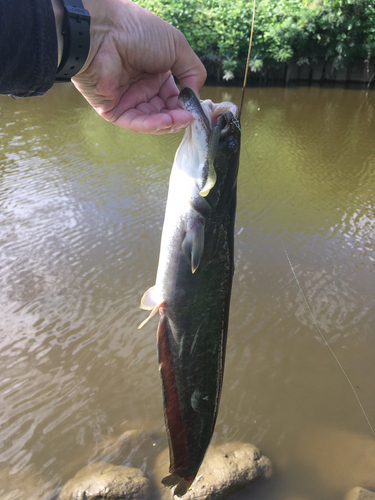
pixel 82 206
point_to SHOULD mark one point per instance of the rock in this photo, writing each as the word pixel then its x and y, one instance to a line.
pixel 360 494
pixel 226 469
pixel 130 448
pixel 133 447
pixel 104 481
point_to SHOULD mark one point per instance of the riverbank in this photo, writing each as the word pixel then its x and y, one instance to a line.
pixel 322 72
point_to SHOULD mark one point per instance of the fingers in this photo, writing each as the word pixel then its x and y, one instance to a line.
pixel 129 80
pixel 188 68
pixel 149 106
pixel 149 93
pixel 156 123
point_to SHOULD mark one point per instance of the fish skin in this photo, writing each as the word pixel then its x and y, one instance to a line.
pixel 193 288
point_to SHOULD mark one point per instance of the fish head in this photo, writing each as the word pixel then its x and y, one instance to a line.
pixel 225 152
pixel 210 147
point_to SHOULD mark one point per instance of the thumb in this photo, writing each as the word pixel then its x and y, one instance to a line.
pixel 187 67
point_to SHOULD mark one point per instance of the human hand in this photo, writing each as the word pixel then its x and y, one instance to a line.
pixel 127 77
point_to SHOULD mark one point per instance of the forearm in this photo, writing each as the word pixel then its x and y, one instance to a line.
pixel 127 74
pixel 28 55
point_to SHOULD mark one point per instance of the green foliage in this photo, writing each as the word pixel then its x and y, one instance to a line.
pixel 218 30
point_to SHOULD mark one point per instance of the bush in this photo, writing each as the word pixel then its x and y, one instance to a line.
pixel 305 30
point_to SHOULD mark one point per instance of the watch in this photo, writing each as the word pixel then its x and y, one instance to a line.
pixel 76 35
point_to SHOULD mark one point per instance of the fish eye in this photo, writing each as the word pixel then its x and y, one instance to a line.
pixel 233 145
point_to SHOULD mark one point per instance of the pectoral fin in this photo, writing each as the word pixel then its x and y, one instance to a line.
pixel 193 245
pixel 150 302
pixel 150 299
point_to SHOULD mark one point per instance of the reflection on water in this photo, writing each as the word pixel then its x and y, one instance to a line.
pixel 82 207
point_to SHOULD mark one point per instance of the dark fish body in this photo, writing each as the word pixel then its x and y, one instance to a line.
pixel 193 287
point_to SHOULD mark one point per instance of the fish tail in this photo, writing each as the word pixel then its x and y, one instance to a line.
pixel 182 484
pixel 180 469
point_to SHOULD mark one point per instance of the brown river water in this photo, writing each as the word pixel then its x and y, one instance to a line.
pixel 81 212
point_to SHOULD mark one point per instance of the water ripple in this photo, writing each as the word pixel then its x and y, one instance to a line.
pixel 82 207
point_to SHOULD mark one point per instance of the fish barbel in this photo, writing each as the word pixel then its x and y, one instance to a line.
pixel 194 281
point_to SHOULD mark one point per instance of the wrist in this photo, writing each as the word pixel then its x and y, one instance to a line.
pixel 75 34
pixel 100 13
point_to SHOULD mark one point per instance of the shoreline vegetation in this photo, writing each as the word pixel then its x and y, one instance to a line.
pixel 316 41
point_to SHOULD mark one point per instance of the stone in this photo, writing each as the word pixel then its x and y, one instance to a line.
pixel 128 449
pixel 99 481
pixel 226 469
pixel 360 494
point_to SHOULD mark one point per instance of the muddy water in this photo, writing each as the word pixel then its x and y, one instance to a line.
pixel 81 214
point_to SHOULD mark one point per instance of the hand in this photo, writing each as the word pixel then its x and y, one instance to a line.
pixel 128 75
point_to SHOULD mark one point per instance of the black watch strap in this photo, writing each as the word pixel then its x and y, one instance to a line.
pixel 76 34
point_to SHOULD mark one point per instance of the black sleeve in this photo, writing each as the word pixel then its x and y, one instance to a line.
pixel 28 47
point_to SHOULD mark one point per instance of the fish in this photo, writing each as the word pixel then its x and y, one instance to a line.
pixel 194 281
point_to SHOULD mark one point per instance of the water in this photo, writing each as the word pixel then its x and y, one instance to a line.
pixel 81 208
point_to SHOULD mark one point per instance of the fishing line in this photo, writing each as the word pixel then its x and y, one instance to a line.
pixel 269 212
pixel 270 215
pixel 247 63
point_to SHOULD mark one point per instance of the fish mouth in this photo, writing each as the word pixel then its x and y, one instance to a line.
pixel 206 113
pixel 214 111
pixel 200 145
pixel 191 103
